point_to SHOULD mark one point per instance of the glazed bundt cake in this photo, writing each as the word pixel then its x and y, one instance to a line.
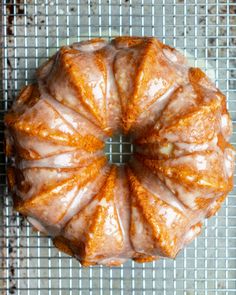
pixel 180 172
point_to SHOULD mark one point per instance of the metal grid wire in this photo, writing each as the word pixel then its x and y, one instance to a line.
pixel 30 30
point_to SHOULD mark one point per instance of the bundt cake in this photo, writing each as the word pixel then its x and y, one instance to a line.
pixel 179 174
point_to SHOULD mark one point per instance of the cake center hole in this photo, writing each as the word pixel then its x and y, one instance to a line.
pixel 119 149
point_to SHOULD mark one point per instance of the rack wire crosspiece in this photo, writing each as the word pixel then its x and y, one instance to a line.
pixel 31 32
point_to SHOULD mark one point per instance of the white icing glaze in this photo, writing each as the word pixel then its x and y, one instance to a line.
pixel 85 194
pixel 40 147
pixel 89 47
pixel 76 158
pixel 229 156
pixel 191 147
pixel 149 117
pixel 79 123
pixel 226 126
pixel 166 149
pixel 37 225
pixel 38 179
pixel 104 95
pixel 153 184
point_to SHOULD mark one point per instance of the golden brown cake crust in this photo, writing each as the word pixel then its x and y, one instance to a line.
pixel 181 170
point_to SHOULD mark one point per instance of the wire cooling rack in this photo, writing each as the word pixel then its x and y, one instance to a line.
pixel 31 30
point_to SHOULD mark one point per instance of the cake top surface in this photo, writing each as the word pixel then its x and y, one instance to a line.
pixel 181 169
